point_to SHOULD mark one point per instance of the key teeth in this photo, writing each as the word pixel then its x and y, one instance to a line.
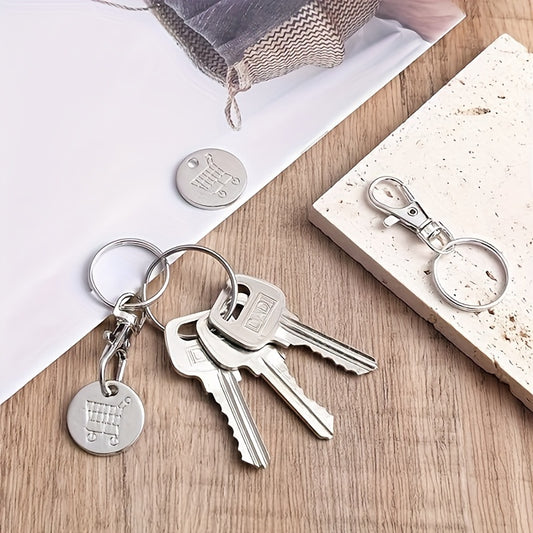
pixel 259 460
pixel 359 371
pixel 294 333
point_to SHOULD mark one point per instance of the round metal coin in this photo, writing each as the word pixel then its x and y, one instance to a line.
pixel 105 425
pixel 211 178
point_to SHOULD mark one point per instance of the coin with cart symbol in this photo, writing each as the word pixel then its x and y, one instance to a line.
pixel 105 425
pixel 211 178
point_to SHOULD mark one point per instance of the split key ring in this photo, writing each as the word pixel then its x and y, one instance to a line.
pixel 234 285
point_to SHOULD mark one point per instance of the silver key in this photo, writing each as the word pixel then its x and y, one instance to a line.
pixel 264 319
pixel 190 360
pixel 268 363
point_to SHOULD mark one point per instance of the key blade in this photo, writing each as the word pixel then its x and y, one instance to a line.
pixel 271 367
pixel 293 332
pixel 224 388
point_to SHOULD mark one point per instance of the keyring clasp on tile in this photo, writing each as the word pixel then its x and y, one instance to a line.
pixel 436 235
pixel 411 215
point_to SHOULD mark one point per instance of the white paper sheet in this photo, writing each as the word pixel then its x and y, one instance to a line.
pixel 97 108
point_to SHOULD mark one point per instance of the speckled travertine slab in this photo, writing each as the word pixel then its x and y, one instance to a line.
pixel 467 155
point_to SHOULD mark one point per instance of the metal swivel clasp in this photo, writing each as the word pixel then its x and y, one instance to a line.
pixel 411 215
pixel 436 235
pixel 118 341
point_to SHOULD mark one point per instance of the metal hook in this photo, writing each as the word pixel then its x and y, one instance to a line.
pixel 412 215
pixel 118 341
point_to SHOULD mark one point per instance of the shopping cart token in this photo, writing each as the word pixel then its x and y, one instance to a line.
pixel 105 425
pixel 211 178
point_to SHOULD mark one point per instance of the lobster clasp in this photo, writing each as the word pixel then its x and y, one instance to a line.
pixel 118 341
pixel 409 213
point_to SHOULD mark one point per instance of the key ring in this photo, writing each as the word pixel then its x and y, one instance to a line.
pixel 234 286
pixel 474 241
pixel 140 243
pixel 437 236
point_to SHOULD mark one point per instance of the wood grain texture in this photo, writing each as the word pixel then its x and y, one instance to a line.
pixel 429 442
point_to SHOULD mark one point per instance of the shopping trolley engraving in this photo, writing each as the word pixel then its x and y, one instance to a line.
pixel 213 179
pixel 104 419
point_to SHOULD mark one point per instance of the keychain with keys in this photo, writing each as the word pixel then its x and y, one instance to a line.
pixel 438 237
pixel 107 416
pixel 191 360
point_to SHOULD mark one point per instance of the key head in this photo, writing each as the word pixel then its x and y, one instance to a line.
pixel 187 355
pixel 258 317
pixel 228 356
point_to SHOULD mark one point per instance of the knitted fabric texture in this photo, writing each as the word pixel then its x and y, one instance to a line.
pixel 242 42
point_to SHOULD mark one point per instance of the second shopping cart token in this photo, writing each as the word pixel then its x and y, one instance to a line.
pixel 211 178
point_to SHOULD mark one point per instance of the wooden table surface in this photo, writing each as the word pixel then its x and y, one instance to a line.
pixel 428 442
